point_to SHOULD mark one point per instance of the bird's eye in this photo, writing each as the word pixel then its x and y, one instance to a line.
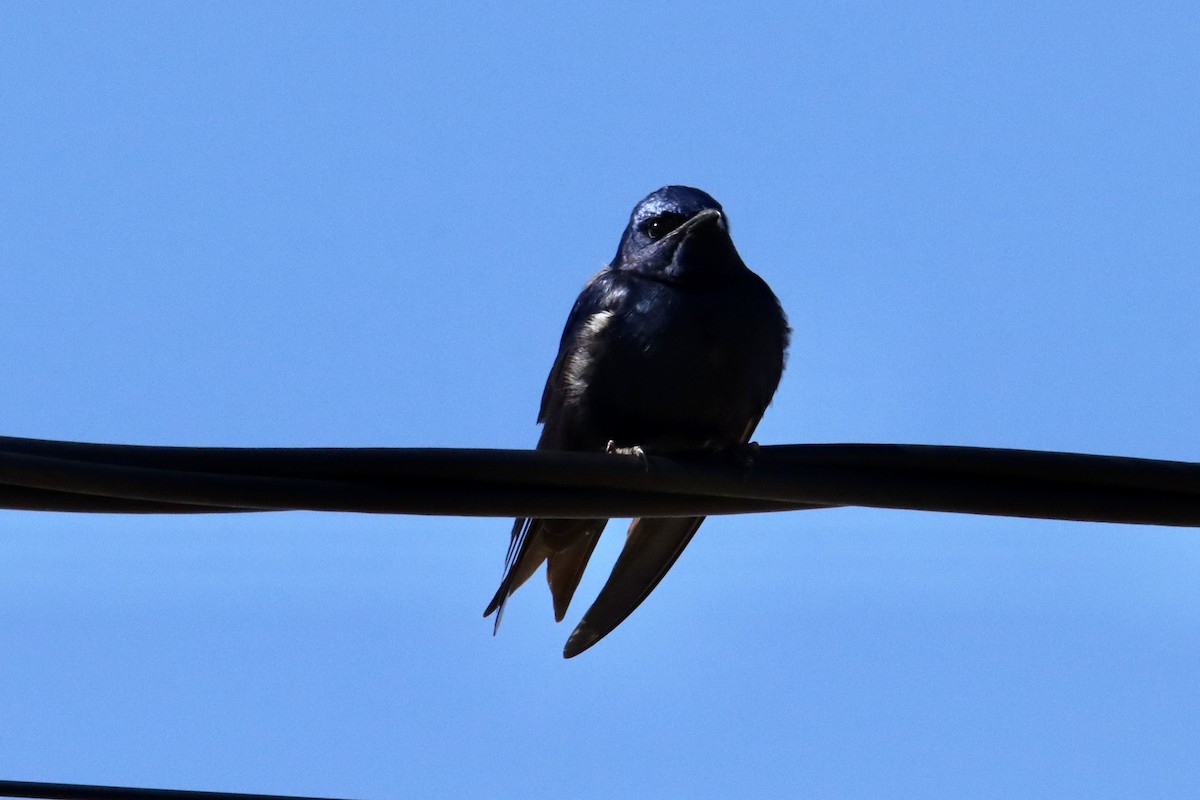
pixel 658 227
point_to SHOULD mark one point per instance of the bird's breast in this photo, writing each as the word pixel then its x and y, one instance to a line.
pixel 678 369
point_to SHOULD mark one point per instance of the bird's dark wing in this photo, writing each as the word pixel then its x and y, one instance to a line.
pixel 581 338
pixel 565 544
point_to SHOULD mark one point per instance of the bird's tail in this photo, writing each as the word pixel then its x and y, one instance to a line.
pixel 565 544
pixel 652 546
pixel 564 568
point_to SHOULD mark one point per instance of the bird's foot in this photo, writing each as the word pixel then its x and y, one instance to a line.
pixel 744 457
pixel 612 449
pixel 742 454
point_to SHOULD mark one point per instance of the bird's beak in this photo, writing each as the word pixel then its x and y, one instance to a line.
pixel 705 217
pixel 708 216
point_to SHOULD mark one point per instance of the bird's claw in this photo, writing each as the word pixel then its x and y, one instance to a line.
pixel 636 450
pixel 748 453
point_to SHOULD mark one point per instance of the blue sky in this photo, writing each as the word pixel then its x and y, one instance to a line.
pixel 364 224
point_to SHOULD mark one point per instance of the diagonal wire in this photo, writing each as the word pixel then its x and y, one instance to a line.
pixel 71 476
pixel 80 791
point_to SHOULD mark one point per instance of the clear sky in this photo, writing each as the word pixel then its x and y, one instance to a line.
pixel 362 224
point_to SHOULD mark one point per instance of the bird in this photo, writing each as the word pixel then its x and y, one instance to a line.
pixel 675 345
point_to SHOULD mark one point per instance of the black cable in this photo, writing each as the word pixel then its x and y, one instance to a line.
pixel 79 791
pixel 348 488
pixel 49 475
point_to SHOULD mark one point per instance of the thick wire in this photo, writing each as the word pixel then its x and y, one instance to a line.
pixel 48 475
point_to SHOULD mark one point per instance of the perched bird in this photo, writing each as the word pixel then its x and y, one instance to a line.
pixel 674 345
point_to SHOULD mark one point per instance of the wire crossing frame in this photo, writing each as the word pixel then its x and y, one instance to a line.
pixel 45 475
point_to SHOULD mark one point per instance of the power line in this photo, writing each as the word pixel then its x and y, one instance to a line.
pixel 48 475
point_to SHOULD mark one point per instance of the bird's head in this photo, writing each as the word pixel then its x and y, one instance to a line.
pixel 677 234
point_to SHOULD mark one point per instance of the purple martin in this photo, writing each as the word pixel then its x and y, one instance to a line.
pixel 675 345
